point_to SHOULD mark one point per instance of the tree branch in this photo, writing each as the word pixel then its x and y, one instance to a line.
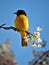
pixel 45 53
pixel 13 28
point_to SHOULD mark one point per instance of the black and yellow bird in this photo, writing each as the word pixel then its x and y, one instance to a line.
pixel 21 23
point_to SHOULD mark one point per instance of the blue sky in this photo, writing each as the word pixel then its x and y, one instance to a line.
pixel 38 14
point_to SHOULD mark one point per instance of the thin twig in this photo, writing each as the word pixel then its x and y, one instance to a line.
pixel 45 53
pixel 2 25
pixel 13 28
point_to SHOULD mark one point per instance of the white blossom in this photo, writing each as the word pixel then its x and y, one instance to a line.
pixel 26 40
pixel 25 37
pixel 31 39
pixel 44 63
pixel 38 40
pixel 34 45
pixel 36 34
pixel 5 46
pixel 39 45
pixel 39 29
pixel 35 38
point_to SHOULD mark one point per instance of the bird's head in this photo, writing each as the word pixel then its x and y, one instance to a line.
pixel 19 12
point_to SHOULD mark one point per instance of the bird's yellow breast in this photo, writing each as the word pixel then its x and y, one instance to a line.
pixel 21 22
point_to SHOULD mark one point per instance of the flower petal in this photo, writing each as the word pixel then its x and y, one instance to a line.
pixel 39 29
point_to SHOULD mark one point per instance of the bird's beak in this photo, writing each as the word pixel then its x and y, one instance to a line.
pixel 15 13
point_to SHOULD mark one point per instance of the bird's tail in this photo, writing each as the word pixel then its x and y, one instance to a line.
pixel 24 43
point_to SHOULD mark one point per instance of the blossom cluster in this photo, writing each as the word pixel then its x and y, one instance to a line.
pixel 35 38
pixel 40 58
pixel 6 55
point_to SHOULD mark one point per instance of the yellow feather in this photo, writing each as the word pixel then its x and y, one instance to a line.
pixel 21 23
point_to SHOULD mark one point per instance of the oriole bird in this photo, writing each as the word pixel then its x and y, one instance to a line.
pixel 21 23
